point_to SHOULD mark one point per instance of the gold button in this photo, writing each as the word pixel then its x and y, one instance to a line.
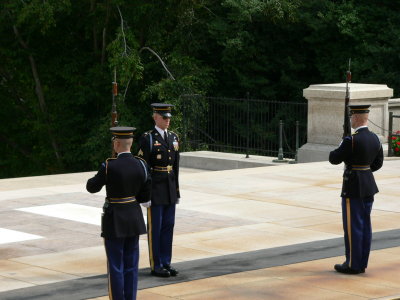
pixel 170 158
pixel 169 150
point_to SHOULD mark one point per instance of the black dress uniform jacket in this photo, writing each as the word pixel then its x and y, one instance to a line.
pixel 163 159
pixel 124 177
pixel 363 154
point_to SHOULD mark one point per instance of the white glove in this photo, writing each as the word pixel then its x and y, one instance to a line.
pixel 146 204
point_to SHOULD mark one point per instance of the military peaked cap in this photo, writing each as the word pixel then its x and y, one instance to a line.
pixel 121 132
pixel 163 109
pixel 359 109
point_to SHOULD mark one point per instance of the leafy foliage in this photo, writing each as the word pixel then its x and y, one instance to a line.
pixel 59 56
pixel 396 143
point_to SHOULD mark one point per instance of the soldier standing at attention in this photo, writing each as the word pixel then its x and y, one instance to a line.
pixel 362 154
pixel 128 183
pixel 160 148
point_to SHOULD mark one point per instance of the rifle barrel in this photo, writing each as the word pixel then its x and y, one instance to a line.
pixel 346 124
pixel 114 114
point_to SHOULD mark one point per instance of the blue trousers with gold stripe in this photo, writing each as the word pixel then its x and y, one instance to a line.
pixel 160 230
pixel 356 213
pixel 122 265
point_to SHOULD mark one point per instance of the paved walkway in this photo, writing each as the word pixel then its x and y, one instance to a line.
pixel 259 233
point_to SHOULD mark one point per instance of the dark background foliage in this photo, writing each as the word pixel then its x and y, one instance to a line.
pixel 58 58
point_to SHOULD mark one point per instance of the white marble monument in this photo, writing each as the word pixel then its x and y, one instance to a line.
pixel 326 115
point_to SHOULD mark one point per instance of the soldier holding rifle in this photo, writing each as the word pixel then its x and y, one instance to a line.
pixel 362 154
pixel 128 183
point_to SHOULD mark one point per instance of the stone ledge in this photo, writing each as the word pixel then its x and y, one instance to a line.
pixel 216 161
pixel 337 91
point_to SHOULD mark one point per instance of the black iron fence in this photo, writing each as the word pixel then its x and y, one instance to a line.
pixel 394 137
pixel 248 126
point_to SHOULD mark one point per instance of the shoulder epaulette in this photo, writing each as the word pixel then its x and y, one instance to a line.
pixel 147 133
pixel 174 133
pixel 138 157
pixel 107 160
pixel 110 159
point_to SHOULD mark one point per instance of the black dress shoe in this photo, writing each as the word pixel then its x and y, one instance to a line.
pixel 171 270
pixel 161 273
pixel 343 268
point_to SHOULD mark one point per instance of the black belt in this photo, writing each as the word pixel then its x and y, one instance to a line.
pixel 121 200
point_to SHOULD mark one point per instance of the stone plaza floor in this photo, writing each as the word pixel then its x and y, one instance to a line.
pixel 259 233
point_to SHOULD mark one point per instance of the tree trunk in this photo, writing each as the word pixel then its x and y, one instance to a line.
pixel 103 48
pixel 94 30
pixel 40 96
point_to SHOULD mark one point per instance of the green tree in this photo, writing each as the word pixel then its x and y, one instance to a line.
pixel 59 56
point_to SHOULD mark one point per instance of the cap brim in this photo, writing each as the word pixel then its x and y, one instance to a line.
pixel 355 112
pixel 166 114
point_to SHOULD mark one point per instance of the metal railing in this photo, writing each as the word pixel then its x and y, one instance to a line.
pixel 391 134
pixel 244 125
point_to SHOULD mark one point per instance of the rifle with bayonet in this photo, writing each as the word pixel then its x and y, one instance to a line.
pixel 114 114
pixel 346 124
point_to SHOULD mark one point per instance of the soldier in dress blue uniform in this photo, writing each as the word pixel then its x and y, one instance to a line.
pixel 362 154
pixel 128 183
pixel 160 148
